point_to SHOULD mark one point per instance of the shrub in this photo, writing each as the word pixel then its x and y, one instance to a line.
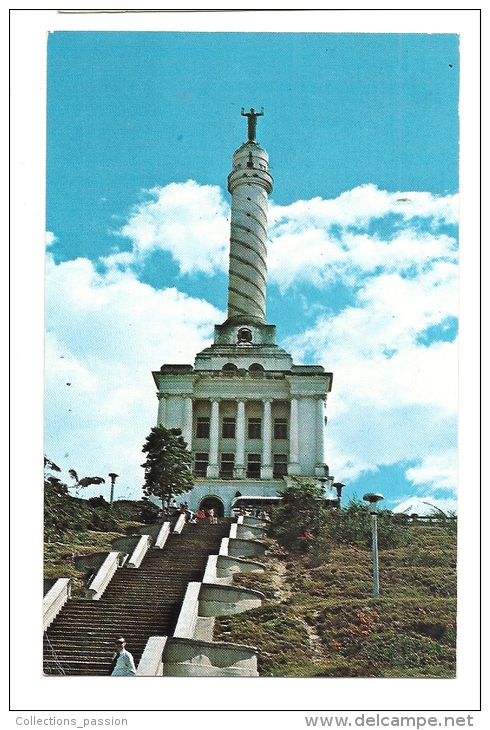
pixel 353 526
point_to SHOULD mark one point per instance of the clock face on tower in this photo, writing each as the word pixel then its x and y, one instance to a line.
pixel 244 334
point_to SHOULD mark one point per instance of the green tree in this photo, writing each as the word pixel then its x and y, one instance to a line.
pixel 63 512
pixel 168 464
pixel 60 513
pixel 84 481
pixel 300 516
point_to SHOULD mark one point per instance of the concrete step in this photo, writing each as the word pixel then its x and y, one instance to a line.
pixel 137 604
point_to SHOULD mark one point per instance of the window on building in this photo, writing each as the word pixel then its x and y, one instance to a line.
pixel 201 462
pixel 227 465
pixel 280 465
pixel 202 428
pixel 244 334
pixel 229 369
pixel 228 431
pixel 256 370
pixel 253 465
pixel 280 428
pixel 254 428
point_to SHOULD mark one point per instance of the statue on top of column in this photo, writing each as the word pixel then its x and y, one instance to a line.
pixel 252 121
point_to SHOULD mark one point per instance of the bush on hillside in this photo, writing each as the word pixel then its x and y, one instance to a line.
pixel 299 518
pixel 303 524
pixel 353 526
pixel 64 512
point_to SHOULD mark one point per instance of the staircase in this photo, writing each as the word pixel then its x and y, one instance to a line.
pixel 137 604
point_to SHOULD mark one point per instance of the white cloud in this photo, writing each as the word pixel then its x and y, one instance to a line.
pixel 359 206
pixel 50 239
pixel 187 219
pixel 320 241
pixel 311 240
pixel 105 332
pixel 394 398
pixel 437 470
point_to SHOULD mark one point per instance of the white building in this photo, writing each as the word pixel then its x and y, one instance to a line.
pixel 248 414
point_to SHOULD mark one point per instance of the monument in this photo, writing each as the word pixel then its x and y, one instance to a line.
pixel 251 417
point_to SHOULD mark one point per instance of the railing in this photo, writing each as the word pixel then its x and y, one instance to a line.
pixel 197 658
pixel 187 621
pixel 103 576
pixel 151 662
pixel 55 599
pixel 139 552
pixel 179 525
pixel 162 536
pixel 434 519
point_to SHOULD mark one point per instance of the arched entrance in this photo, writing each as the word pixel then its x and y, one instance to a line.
pixel 215 503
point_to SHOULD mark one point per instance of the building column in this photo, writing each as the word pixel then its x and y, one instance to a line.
pixel 187 421
pixel 266 470
pixel 294 466
pixel 320 437
pixel 239 471
pixel 162 409
pixel 213 467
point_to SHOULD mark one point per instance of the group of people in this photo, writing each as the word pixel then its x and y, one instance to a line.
pixel 207 514
pixel 192 517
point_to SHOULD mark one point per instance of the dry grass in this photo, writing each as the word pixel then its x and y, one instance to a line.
pixel 322 620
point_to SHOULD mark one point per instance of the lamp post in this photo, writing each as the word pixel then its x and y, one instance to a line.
pixel 373 499
pixel 113 481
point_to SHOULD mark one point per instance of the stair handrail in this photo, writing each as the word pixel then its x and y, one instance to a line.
pixel 162 536
pixel 103 576
pixel 151 662
pixel 187 621
pixel 139 552
pixel 179 525
pixel 55 599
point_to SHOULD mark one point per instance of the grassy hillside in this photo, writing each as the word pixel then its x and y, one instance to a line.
pixel 319 617
pixel 322 620
pixel 98 525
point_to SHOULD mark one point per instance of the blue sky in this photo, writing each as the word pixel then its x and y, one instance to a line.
pixel 362 132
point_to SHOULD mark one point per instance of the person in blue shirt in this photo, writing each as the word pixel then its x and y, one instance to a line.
pixel 122 661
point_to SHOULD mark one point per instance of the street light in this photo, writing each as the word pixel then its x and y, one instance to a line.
pixel 373 499
pixel 113 481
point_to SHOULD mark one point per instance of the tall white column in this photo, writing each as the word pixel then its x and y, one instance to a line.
pixel 240 440
pixel 294 466
pixel 187 421
pixel 266 468
pixel 320 432
pixel 213 467
pixel 249 184
pixel 162 408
